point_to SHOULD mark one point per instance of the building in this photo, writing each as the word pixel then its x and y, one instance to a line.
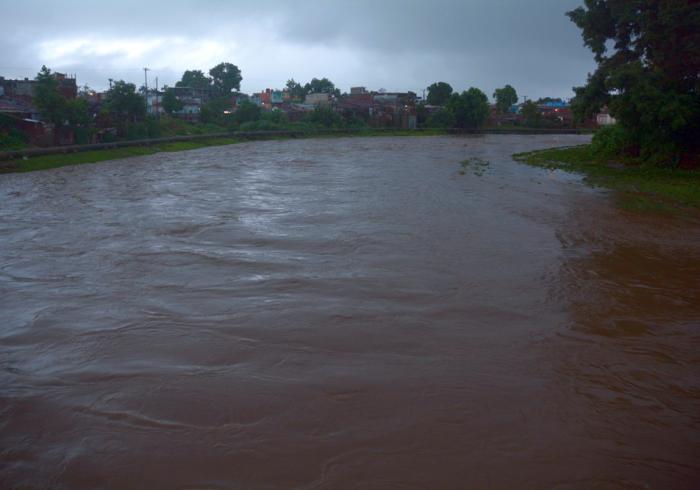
pixel 603 118
pixel 24 89
pixel 318 99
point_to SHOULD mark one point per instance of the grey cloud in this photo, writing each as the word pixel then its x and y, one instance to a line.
pixel 529 44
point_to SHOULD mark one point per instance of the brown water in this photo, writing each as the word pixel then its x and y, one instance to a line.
pixel 344 313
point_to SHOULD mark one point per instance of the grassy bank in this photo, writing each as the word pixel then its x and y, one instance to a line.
pixel 45 162
pixel 638 186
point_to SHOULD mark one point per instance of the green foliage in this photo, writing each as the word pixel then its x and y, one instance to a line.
pixel 322 85
pixel 48 99
pixel 170 102
pixel 325 118
pixel 648 56
pixel 296 90
pixel 11 138
pixel 642 187
pixel 261 125
pixel 148 128
pixel 439 93
pixel 246 112
pixel 470 108
pixel 276 117
pixel 76 112
pixel 124 103
pixel 225 77
pixel 505 98
pixel 610 141
pixel 531 114
pixel 443 118
pixel 194 79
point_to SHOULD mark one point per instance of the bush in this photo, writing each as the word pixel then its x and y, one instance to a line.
pixel 441 119
pixel 325 118
pixel 276 117
pixel 260 126
pixel 612 141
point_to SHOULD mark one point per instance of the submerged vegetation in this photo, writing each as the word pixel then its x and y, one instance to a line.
pixel 640 185
pixel 477 166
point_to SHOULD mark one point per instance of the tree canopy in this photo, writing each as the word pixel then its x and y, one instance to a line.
pixel 322 85
pixel 48 99
pixel 194 79
pixel 439 93
pixel 648 74
pixel 225 77
pixel 170 102
pixel 123 101
pixel 295 89
pixel 505 98
pixel 54 106
pixel 470 108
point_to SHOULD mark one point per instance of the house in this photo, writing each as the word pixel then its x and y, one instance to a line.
pixel 24 89
pixel 318 99
pixel 603 118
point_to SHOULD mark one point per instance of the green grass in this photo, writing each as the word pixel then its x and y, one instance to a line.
pixel 639 187
pixel 61 160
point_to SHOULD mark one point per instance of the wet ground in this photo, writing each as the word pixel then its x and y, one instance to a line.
pixel 360 313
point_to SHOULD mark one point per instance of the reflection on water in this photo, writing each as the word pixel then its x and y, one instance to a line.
pixel 347 313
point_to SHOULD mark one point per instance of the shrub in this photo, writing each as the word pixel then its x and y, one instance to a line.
pixel 441 119
pixel 613 140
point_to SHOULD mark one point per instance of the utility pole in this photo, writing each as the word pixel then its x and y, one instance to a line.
pixel 145 87
pixel 157 101
pixel 110 83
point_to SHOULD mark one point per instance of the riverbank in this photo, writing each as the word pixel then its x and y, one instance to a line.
pixel 29 160
pixel 638 187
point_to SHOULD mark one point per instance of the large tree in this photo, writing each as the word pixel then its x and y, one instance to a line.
pixel 505 98
pixel 225 77
pixel 170 102
pixel 50 102
pixel 123 102
pixel 648 74
pixel 439 93
pixel 194 79
pixel 295 89
pixel 470 108
pixel 322 85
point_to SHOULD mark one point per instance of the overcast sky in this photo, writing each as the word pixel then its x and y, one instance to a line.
pixel 397 45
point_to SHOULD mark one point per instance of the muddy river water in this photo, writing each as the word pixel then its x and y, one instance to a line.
pixel 360 313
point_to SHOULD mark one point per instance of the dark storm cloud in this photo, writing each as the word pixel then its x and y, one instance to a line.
pixel 393 44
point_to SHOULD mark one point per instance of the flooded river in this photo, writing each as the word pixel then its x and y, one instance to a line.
pixel 353 313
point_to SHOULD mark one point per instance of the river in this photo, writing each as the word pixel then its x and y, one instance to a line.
pixel 360 313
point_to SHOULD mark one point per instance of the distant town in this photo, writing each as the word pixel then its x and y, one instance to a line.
pixel 52 109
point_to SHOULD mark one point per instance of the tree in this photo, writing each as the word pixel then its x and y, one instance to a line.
pixel 505 98
pixel 531 113
pixel 648 74
pixel 295 89
pixel 50 102
pixel 246 112
pixel 194 79
pixel 321 86
pixel 325 117
pixel 443 118
pixel 76 112
pixel 470 108
pixel 225 77
pixel 439 93
pixel 123 102
pixel 170 102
